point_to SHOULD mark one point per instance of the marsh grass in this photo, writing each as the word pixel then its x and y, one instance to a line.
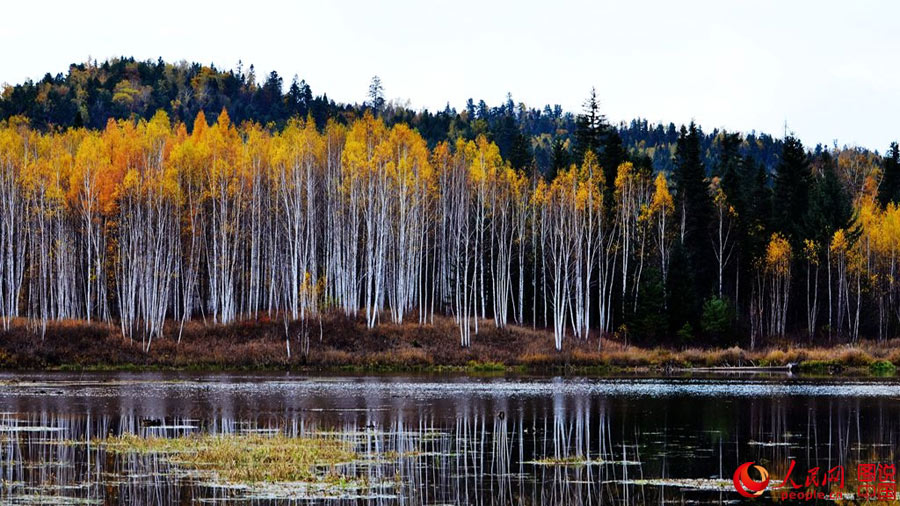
pixel 573 460
pixel 247 459
pixel 346 344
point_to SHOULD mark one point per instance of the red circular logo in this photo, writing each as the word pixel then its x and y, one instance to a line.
pixel 747 486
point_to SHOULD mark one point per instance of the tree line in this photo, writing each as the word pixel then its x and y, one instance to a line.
pixel 146 221
pixel 658 234
pixel 540 139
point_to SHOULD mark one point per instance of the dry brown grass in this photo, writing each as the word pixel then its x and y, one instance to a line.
pixel 245 459
pixel 338 342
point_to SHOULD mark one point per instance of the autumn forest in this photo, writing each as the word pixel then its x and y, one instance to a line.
pixel 141 193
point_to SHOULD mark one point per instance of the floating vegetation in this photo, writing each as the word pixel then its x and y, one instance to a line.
pixel 351 490
pixel 35 499
pixel 574 460
pixel 243 458
pixel 26 428
pixel 769 443
pixel 691 483
pixel 270 441
pixel 578 460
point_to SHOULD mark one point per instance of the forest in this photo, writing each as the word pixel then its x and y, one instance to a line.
pixel 140 193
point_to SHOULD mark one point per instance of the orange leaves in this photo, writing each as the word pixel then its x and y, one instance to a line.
pixel 200 125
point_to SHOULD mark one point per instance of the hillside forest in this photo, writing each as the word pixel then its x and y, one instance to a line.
pixel 139 193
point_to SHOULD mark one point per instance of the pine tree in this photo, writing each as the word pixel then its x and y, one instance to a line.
pixel 728 167
pixel 694 208
pixel 559 160
pixel 681 301
pixel 830 208
pixel 298 98
pixel 612 155
pixel 520 156
pixel 376 95
pixel 590 127
pixel 889 189
pixel 791 192
pixel 649 319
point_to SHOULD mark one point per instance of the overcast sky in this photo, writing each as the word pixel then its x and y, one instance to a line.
pixel 828 69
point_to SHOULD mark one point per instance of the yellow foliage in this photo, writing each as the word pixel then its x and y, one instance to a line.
pixel 778 255
pixel 662 200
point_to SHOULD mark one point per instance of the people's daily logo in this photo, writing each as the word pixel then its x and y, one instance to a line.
pixel 747 486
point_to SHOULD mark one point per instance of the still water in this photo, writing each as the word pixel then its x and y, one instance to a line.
pixel 444 439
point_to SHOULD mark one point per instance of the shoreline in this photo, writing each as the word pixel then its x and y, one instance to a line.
pixel 476 369
pixel 339 344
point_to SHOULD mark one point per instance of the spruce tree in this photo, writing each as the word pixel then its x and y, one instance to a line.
pixel 728 167
pixel 758 211
pixel 520 155
pixel 791 192
pixel 694 209
pixel 590 127
pixel 612 155
pixel 830 208
pixel 376 95
pixel 682 304
pixel 559 158
pixel 889 190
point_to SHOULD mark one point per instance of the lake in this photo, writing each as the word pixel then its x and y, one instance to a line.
pixel 444 439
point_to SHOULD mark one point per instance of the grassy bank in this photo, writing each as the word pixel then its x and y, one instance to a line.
pixel 338 343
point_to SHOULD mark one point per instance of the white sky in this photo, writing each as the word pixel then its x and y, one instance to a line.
pixel 829 69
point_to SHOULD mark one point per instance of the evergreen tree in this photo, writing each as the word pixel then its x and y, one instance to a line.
pixel 514 145
pixel 612 155
pixel 520 156
pixel 268 100
pixel 681 302
pixel 694 208
pixel 791 192
pixel 590 127
pixel 830 208
pixel 648 323
pixel 560 159
pixel 376 95
pixel 728 167
pixel 483 111
pixel 758 210
pixel 470 109
pixel 716 320
pixel 295 99
pixel 889 190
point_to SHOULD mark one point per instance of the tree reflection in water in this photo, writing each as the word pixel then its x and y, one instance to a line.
pixel 565 448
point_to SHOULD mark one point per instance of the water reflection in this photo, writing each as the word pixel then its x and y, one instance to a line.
pixel 439 441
